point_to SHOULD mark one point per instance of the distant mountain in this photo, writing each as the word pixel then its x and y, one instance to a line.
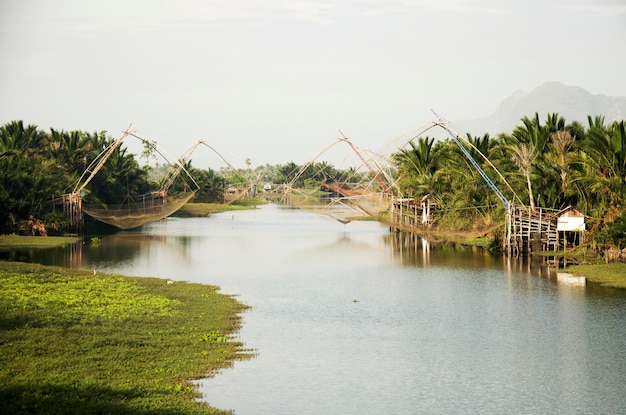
pixel 570 102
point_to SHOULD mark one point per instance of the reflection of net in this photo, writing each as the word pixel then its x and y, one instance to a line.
pixel 129 216
pixel 343 209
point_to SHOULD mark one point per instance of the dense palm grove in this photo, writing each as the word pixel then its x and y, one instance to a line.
pixel 541 164
pixel 37 166
pixel 549 165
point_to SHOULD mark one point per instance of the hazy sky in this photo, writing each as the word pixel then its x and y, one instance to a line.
pixel 274 80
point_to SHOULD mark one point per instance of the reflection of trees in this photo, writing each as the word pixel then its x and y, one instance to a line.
pixel 183 241
pixel 531 266
pixel 112 250
pixel 116 249
pixel 413 250
pixel 69 256
pixel 126 247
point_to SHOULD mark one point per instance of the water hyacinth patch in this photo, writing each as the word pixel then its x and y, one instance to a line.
pixel 89 298
pixel 75 342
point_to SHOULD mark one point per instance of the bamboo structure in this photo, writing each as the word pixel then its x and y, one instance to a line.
pixel 525 231
pixel 72 206
pixel 154 206
pixel 529 231
pixel 407 213
pixel 73 209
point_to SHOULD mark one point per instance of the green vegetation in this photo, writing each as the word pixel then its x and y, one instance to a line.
pixel 362 218
pixel 246 202
pixel 548 164
pixel 37 167
pixel 581 253
pixel 203 209
pixel 609 275
pixel 73 342
pixel 484 242
pixel 9 242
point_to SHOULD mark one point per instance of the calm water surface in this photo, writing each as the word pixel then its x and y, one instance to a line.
pixel 349 319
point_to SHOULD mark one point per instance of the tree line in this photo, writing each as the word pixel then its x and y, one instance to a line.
pixel 36 166
pixel 547 164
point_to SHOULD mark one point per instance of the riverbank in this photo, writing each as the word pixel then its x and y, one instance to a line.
pixel 593 267
pixel 608 275
pixel 198 210
pixel 75 342
pixel 9 242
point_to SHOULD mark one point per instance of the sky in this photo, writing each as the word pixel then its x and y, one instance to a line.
pixel 275 81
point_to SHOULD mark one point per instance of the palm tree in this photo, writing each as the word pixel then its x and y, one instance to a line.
pixel 349 175
pixel 30 173
pixel 532 132
pixel 416 166
pixel 562 142
pixel 603 159
pixel 480 146
pixel 554 122
pixel 28 140
pixel 524 154
pixel 527 143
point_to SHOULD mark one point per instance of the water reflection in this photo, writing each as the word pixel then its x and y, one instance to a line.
pixel 435 328
pixel 179 240
pixel 415 250
pixel 69 256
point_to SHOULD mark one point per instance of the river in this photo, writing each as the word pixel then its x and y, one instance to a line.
pixel 352 319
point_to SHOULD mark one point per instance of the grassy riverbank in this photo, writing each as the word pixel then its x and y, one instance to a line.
pixel 72 342
pixel 592 267
pixel 8 242
pixel 193 209
pixel 609 275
